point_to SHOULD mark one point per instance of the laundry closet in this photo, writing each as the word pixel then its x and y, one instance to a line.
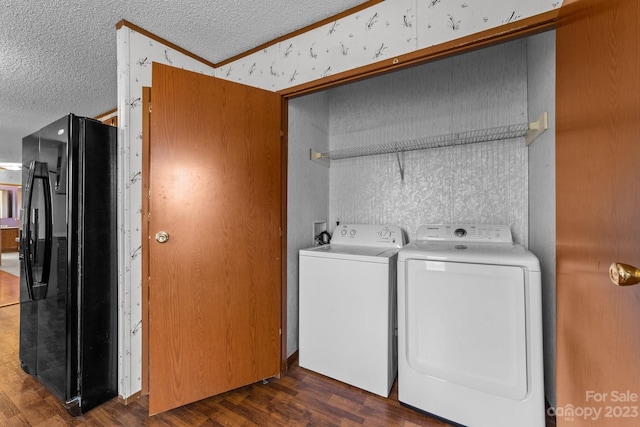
pixel 500 181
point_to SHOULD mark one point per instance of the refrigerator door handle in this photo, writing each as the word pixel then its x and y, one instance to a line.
pixel 25 244
pixel 37 286
pixel 36 233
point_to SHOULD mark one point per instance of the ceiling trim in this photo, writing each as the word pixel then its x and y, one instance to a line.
pixel 522 28
pixel 315 25
pixel 526 27
pixel 125 23
pixel 355 9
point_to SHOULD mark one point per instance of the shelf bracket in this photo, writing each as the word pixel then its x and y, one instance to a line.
pixel 537 128
pixel 400 165
pixel 317 157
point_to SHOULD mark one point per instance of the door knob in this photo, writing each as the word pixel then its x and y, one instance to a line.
pixel 162 236
pixel 624 274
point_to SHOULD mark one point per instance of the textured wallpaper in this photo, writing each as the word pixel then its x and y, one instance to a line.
pixel 368 36
pixel 362 38
pixel 443 20
pixel 307 191
pixel 479 183
pixel 541 52
pixel 382 31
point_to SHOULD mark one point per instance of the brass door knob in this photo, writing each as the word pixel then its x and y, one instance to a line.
pixel 162 236
pixel 624 274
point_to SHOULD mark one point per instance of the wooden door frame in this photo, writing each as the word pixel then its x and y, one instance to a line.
pixel 284 164
pixel 526 27
pixel 144 229
pixel 504 33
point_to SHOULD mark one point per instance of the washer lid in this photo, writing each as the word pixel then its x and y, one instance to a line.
pixel 350 252
pixel 472 253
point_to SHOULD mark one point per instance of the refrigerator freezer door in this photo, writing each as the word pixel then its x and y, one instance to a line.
pixel 68 323
pixel 47 309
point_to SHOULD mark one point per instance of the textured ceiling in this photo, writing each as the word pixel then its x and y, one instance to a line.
pixel 59 56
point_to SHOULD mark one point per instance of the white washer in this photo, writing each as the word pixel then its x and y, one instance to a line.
pixel 470 327
pixel 348 307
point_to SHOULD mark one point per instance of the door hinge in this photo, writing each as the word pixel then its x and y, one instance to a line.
pixel 149 107
pixel 281 233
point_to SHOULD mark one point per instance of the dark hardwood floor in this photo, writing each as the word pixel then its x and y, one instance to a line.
pixel 299 398
pixel 9 289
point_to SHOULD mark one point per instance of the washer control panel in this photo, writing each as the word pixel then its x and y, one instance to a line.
pixel 465 233
pixel 387 236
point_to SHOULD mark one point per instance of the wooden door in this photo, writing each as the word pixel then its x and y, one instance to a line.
pixel 598 212
pixel 215 189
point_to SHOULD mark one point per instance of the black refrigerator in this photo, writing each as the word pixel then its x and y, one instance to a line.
pixel 68 261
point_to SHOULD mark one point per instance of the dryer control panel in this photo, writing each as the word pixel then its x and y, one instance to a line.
pixel 383 236
pixel 470 233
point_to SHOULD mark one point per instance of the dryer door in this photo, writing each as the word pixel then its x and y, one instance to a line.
pixel 466 324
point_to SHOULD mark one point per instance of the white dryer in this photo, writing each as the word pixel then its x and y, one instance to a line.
pixel 347 303
pixel 470 327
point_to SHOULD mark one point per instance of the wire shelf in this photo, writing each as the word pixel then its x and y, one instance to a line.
pixel 530 131
pixel 461 138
